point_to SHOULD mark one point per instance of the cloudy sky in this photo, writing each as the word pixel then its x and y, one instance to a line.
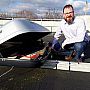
pixel 39 6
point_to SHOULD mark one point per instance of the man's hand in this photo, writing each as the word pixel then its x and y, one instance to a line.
pixel 64 43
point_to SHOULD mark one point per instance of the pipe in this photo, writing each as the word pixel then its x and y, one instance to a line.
pixel 21 63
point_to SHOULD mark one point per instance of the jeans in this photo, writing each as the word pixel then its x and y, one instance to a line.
pixel 79 47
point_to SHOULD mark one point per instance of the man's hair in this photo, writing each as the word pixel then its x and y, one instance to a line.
pixel 68 6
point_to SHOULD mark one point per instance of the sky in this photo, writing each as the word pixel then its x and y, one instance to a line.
pixel 40 6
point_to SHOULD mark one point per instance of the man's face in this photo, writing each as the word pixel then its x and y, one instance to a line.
pixel 68 15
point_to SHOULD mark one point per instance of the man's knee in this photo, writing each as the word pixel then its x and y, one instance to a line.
pixel 79 46
pixel 57 46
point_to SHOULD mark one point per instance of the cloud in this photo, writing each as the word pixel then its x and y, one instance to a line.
pixel 69 2
pixel 78 4
pixel 36 5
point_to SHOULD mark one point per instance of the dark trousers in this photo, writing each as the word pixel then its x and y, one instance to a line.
pixel 79 47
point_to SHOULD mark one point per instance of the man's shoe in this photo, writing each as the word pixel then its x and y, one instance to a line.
pixel 71 56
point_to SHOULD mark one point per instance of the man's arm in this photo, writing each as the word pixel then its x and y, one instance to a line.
pixel 56 36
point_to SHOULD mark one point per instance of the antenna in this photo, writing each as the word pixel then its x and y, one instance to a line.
pixel 86 7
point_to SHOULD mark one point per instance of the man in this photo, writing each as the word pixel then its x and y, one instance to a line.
pixel 74 30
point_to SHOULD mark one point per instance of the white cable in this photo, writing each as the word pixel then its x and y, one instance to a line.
pixel 7 71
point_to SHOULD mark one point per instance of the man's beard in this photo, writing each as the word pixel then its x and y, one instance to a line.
pixel 69 20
